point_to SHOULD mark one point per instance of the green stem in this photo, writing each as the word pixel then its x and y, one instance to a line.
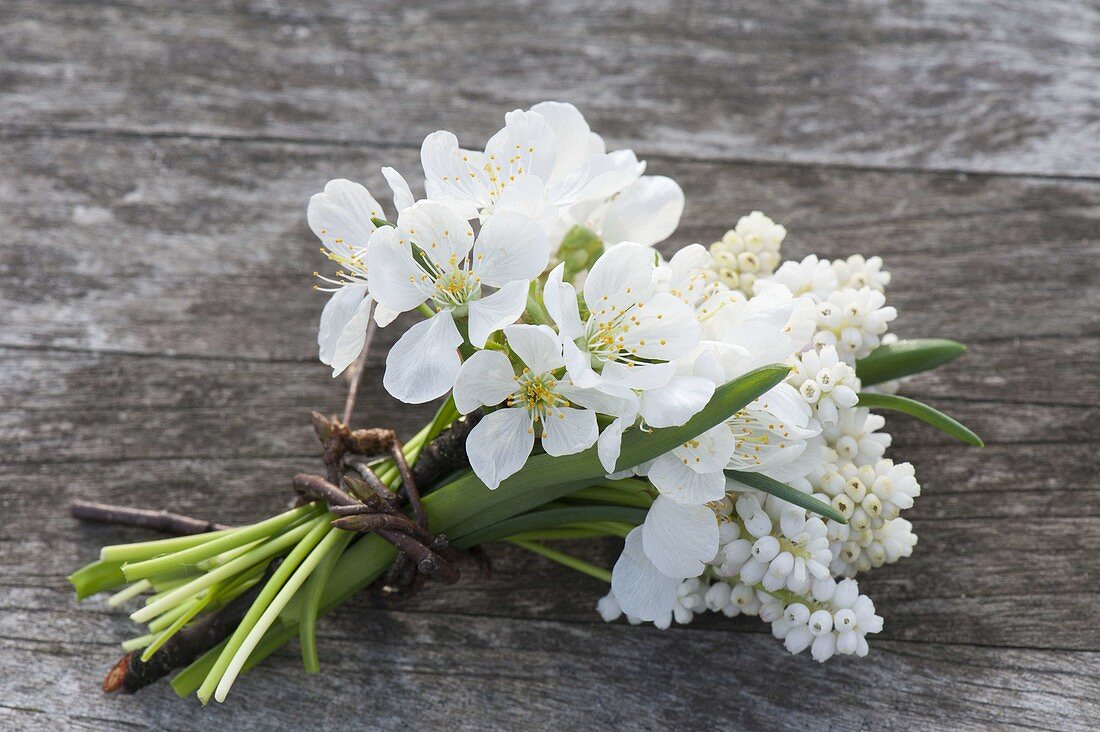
pixel 266 551
pixel 147 549
pixel 257 631
pixel 312 602
pixel 232 540
pixel 303 546
pixel 565 559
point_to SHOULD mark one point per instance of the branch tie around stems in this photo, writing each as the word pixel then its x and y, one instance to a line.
pixel 416 546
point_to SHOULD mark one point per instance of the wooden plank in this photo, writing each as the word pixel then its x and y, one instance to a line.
pixel 1005 536
pixel 998 87
pixel 168 408
pixel 200 247
pixel 395 669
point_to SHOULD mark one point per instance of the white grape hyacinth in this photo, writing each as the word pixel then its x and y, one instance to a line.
pixel 431 256
pixel 853 321
pixel 748 251
pixel 855 436
pixel 827 383
pixel 857 272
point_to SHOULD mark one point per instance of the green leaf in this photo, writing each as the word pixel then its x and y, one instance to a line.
pixel 551 518
pixel 923 412
pixel 905 358
pixel 786 493
pixel 465 505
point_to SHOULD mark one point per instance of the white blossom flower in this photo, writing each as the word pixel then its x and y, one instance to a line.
pixel 688 277
pixel 640 589
pixel 432 256
pixel 341 216
pixel 646 212
pixel 853 321
pixel 826 383
pixel 810 276
pixel 747 252
pixel 631 335
pixel 535 398
pixel 541 163
pixel 855 272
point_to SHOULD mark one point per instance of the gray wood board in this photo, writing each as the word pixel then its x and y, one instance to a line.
pixel 157 334
pixel 1001 86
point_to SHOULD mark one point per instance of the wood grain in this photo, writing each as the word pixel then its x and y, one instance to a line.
pixel 1000 87
pixel 157 333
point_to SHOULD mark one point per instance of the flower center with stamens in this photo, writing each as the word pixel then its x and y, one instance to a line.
pixel 537 393
pixel 353 263
pixel 606 335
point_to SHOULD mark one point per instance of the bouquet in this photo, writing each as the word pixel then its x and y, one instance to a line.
pixel 715 410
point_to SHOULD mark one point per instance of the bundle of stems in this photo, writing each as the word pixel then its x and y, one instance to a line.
pixel 221 601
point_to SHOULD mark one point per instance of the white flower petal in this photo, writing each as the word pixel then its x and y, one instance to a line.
pixel 679 539
pixel 493 312
pixel 342 212
pixel 567 430
pixel 641 590
pixel 454 175
pixel 560 299
pixel 438 229
pixel 536 345
pixel 384 315
pixel 676 480
pixel 665 329
pixel 422 365
pixel 485 379
pixel 605 399
pixel 598 178
pixel 343 327
pixel 500 444
pixel 638 376
pixel 524 146
pixel 402 194
pixel 510 247
pixel 760 328
pixel 647 212
pixel 398 281
pixel 621 277
pixel 786 404
pixel 527 196
pixel 579 365
pixel 570 135
pixel 676 402
pixel 709 451
pixel 610 442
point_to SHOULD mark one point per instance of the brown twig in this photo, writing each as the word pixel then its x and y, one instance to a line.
pixel 316 487
pixel 446 453
pixel 131 673
pixel 412 491
pixel 166 521
pixel 355 376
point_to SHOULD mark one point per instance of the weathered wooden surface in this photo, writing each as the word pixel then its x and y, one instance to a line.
pixel 157 331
